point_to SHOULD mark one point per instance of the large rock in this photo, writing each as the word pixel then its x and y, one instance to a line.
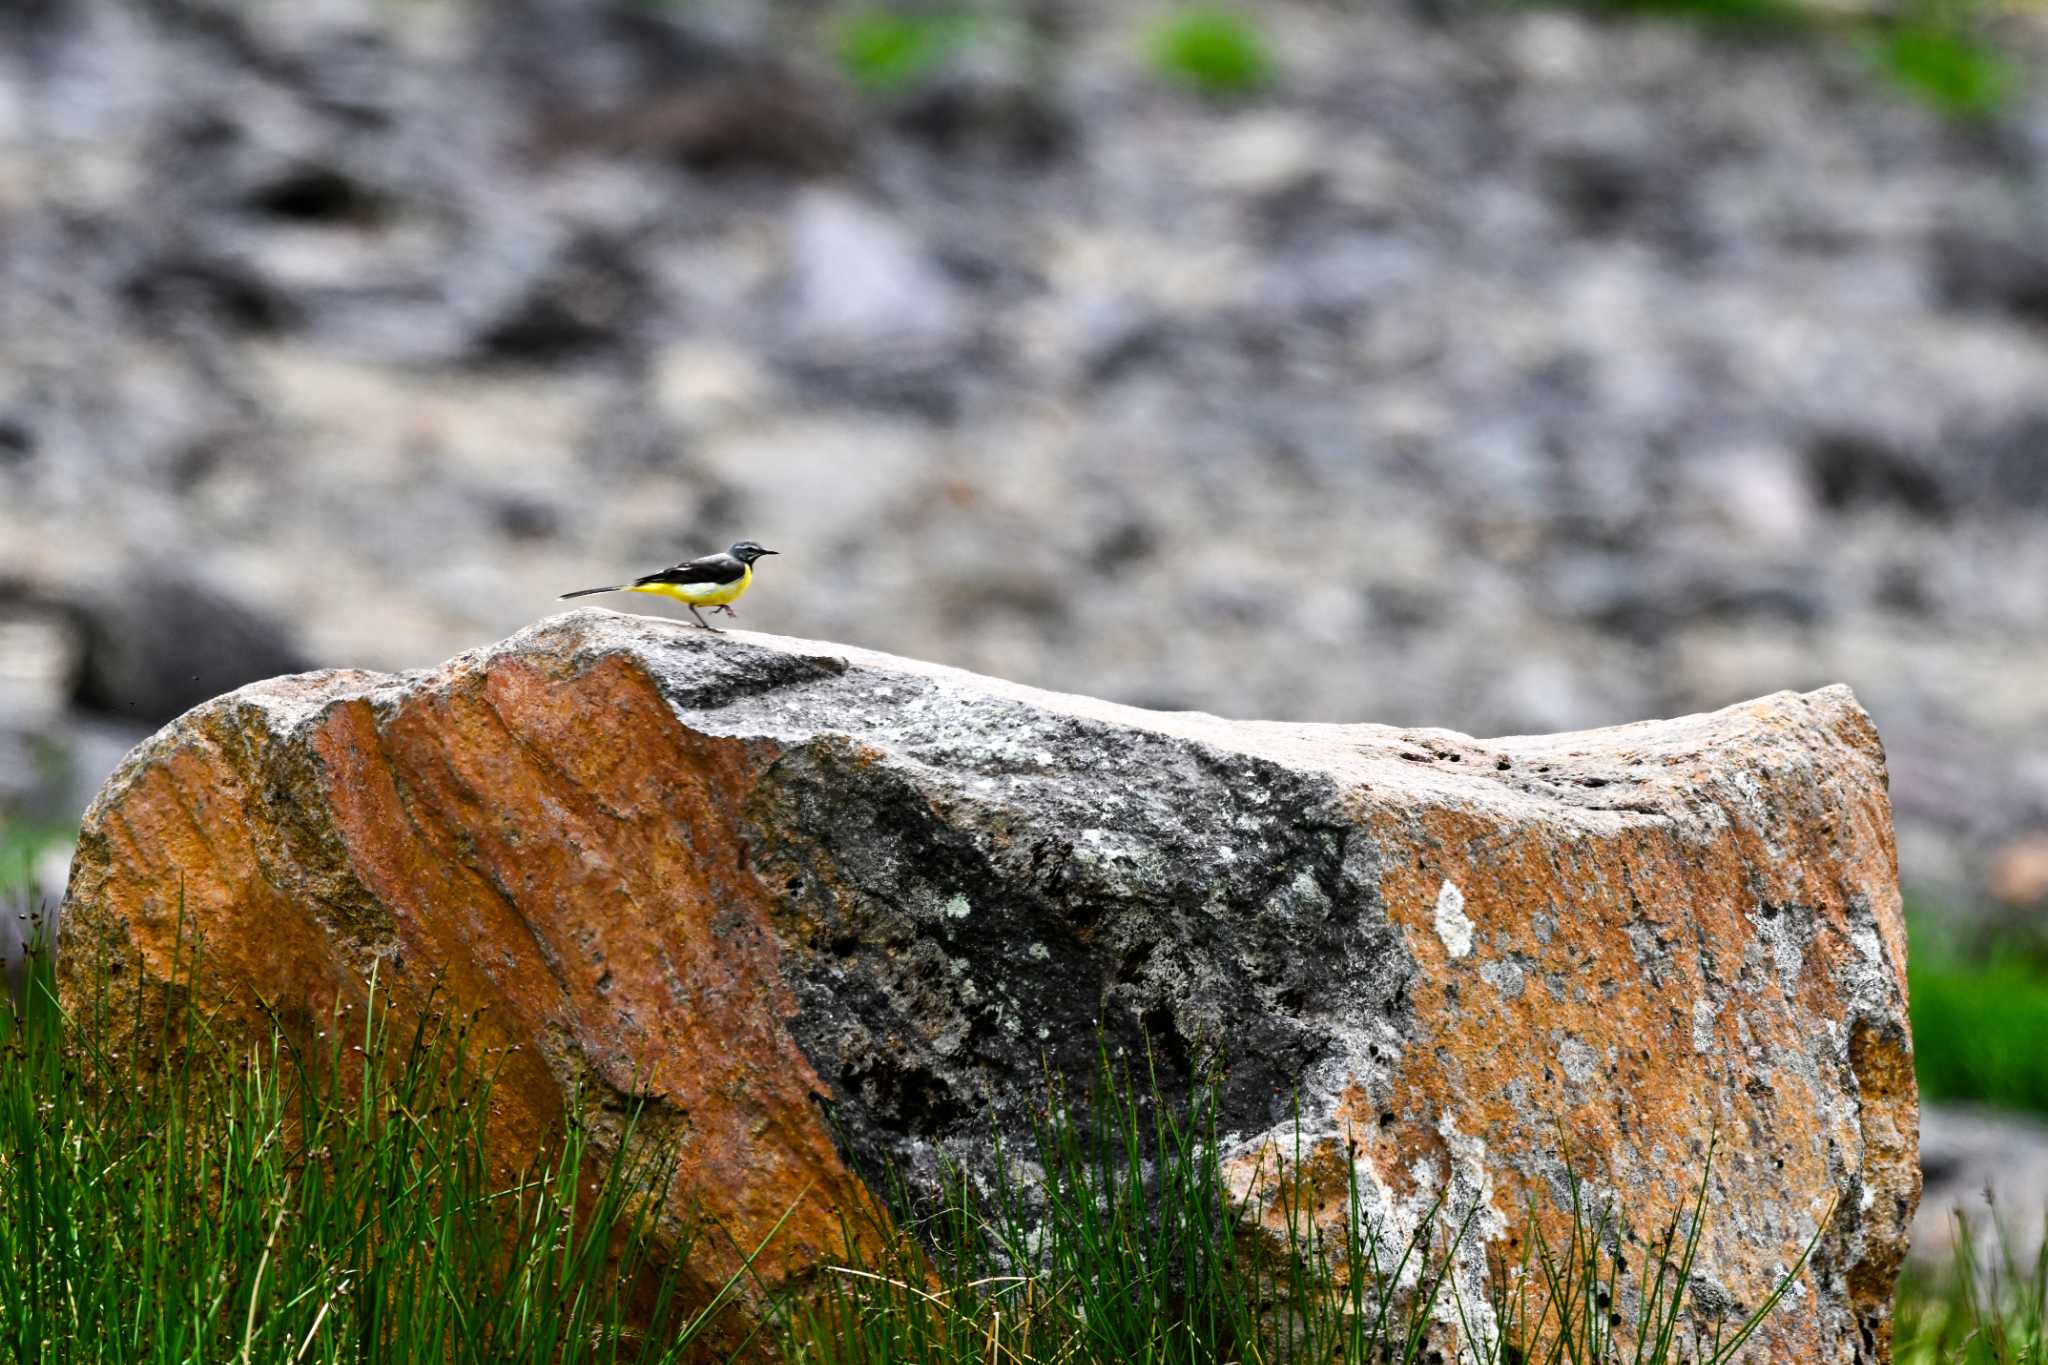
pixel 823 908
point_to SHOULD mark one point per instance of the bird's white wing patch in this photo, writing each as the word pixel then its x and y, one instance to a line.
pixel 696 591
pixel 706 594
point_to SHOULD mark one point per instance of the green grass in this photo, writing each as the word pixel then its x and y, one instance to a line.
pixel 1945 53
pixel 1978 1018
pixel 1722 14
pixel 1130 1247
pixel 1978 1021
pixel 251 1204
pixel 254 1206
pixel 1977 1312
pixel 241 1204
pixel 1978 1031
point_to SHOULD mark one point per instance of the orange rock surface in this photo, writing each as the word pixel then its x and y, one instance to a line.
pixel 824 910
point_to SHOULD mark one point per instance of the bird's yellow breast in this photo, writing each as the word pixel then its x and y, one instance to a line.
pixel 702 594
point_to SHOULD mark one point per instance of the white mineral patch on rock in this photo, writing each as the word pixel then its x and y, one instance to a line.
pixel 1451 925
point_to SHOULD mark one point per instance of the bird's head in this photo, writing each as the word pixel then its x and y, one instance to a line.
pixel 747 551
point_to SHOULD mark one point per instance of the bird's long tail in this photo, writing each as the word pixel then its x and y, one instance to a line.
pixel 586 592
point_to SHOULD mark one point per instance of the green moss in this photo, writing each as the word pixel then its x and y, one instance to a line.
pixel 1211 49
pixel 1947 64
pixel 888 49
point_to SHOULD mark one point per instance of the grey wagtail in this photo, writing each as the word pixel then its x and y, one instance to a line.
pixel 715 581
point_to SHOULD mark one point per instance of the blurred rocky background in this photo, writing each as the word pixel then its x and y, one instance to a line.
pixel 1493 366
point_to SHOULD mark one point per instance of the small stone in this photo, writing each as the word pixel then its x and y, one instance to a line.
pixel 1263 153
pixel 696 383
pixel 2019 873
pixel 1763 494
pixel 860 281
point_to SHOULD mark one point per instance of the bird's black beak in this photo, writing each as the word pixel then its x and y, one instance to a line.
pixel 771 552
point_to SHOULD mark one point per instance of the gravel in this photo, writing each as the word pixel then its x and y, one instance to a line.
pixel 1501 369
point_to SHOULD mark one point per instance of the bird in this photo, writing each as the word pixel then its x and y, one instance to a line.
pixel 714 581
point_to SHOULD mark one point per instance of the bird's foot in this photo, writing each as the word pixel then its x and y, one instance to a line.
pixel 726 609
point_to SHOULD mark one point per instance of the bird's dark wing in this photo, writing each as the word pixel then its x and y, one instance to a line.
pixel 718 568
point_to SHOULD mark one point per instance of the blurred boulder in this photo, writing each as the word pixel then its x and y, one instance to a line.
pixel 1992 1170
pixel 53 757
pixel 869 312
pixel 1608 176
pixel 1263 154
pixel 861 286
pixel 1650 604
pixel 1858 468
pixel 587 299
pixel 1993 267
pixel 759 119
pixel 51 872
pixel 1762 493
pixel 154 642
pixel 2010 464
pixel 710 89
pixel 2019 873
pixel 39 651
pixel 184 286
pixel 965 113
pixel 696 385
